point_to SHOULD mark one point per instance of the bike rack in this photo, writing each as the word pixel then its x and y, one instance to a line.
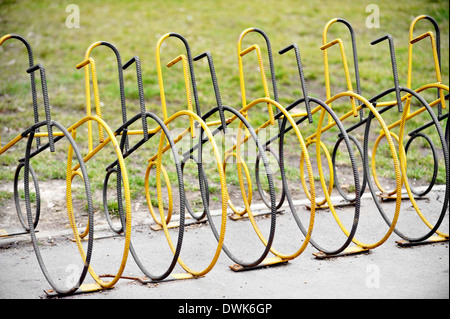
pixel 201 130
pixel 354 97
pixel 194 120
pixel 53 137
pixel 435 120
pixel 281 112
pixel 245 132
pixel 316 138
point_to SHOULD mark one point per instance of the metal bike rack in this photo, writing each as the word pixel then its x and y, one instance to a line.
pixel 202 129
pixel 195 120
pixel 354 97
pixel 53 137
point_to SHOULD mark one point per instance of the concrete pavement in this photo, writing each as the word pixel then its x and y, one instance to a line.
pixel 388 271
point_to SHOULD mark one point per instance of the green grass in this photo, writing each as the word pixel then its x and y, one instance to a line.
pixel 5 195
pixel 32 195
pixel 134 28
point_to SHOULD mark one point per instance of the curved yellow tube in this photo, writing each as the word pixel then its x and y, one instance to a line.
pixel 413 40
pixel 161 149
pixel 310 177
pixel 70 212
pixel 84 64
pixel 249 183
pixel 405 180
pixel 346 70
pixel 241 53
pixel 169 193
pixel 398 177
pixel 330 167
pixel 223 191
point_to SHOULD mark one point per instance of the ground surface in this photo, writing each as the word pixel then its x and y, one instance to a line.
pixel 387 271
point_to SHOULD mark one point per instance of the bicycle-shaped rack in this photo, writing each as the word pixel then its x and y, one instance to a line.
pixel 355 111
pixel 30 134
pixel 283 116
pixel 242 134
pixel 413 194
pixel 235 123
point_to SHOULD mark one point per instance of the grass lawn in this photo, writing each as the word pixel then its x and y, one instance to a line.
pixel 134 28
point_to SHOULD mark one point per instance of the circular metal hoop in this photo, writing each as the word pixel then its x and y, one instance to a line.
pixel 17 200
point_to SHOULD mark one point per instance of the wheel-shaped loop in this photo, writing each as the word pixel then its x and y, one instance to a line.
pixel 204 188
pixel 258 182
pixel 169 192
pixel 125 217
pixel 336 179
pixel 72 285
pixel 17 197
pixel 114 228
pixel 330 167
pixel 249 192
pixel 435 162
pixel 373 163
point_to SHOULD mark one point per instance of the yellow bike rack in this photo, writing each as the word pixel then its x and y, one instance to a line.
pixel 407 115
pixel 89 66
pixel 278 116
pixel 360 246
pixel 271 122
pixel 33 132
pixel 193 118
